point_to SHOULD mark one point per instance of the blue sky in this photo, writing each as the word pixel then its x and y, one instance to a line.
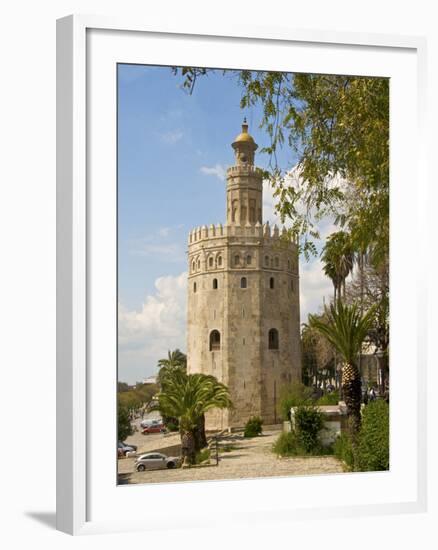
pixel 173 149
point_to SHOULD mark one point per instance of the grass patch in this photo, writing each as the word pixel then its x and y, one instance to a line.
pixel 289 444
pixel 202 456
pixel 227 448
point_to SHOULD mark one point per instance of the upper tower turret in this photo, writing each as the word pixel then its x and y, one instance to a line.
pixel 244 147
pixel 244 183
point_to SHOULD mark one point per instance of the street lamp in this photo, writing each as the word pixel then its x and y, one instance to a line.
pixel 379 355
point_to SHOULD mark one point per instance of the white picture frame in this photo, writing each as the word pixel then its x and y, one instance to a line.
pixel 78 75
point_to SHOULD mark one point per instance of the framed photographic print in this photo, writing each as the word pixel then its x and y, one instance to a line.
pixel 237 218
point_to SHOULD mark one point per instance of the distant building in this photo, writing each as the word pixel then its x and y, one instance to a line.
pixel 150 380
pixel 243 300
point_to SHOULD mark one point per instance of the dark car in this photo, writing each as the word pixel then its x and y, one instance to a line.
pixel 126 448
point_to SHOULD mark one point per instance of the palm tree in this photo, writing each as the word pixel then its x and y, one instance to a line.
pixel 346 328
pixel 338 258
pixel 188 397
pixel 175 360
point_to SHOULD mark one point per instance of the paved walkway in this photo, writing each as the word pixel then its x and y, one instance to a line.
pixel 247 458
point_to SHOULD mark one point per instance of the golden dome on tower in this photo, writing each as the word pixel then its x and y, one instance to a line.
pixel 244 137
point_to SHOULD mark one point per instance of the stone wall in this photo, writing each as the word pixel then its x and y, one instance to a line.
pixel 255 374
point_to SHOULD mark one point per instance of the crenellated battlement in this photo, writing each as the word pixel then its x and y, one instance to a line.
pixel 244 170
pixel 220 231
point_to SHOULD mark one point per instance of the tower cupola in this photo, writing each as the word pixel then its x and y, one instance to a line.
pixel 244 147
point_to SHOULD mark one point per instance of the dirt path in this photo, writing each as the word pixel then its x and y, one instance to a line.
pixel 247 458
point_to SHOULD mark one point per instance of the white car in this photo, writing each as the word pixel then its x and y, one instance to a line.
pixel 156 461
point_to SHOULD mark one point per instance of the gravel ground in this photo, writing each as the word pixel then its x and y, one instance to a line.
pixel 248 458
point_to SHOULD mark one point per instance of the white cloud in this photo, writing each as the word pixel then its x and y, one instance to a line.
pixel 157 245
pixel 160 324
pixel 314 287
pixel 217 170
pixel 172 136
pixel 169 252
pixel 164 231
pixel 269 213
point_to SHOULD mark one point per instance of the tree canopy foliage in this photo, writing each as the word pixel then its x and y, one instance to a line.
pixel 136 398
pixel 124 426
pixel 338 128
pixel 317 354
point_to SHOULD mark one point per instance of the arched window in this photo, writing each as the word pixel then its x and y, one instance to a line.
pixel 210 261
pixel 199 264
pixel 267 261
pixel 219 260
pixel 243 282
pixel 193 265
pixel 248 260
pixel 236 259
pixel 277 262
pixel 273 339
pixel 215 340
pixel 194 287
pixel 214 284
pixel 271 282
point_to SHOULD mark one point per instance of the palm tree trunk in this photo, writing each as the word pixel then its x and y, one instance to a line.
pixel 352 393
pixel 200 437
pixel 188 451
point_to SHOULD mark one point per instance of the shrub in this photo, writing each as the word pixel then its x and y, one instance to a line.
pixel 371 452
pixel 172 427
pixel 171 423
pixel 373 442
pixel 253 427
pixel 308 423
pixel 287 445
pixel 328 399
pixel 294 395
pixel 343 449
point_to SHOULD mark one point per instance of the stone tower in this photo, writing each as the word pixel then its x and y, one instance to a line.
pixel 243 300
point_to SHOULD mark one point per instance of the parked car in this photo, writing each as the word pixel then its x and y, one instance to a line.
pixel 154 429
pixel 156 461
pixel 149 422
pixel 125 448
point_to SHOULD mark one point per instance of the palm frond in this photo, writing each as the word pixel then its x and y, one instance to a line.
pixel 345 328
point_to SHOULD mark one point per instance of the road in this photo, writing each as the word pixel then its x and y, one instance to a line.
pixel 246 458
